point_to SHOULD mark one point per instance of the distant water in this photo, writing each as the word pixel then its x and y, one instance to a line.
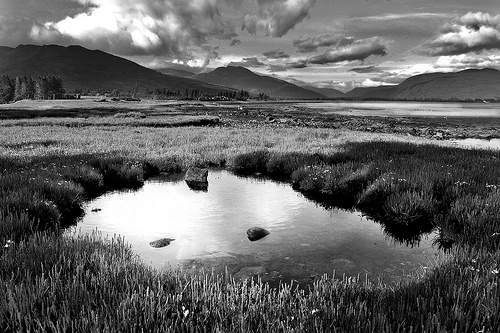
pixel 209 229
pixel 409 109
pixel 478 143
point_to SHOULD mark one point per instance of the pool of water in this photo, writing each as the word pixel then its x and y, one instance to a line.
pixel 210 227
pixel 410 109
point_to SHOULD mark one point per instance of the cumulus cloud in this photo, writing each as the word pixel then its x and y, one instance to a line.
pixel 276 17
pixel 276 54
pixel 247 62
pixel 135 27
pixel 472 32
pixel 465 61
pixel 358 50
pixel 311 44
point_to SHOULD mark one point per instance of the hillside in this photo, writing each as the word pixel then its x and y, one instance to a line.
pixel 328 92
pixel 464 85
pixel 243 79
pixel 176 72
pixel 87 69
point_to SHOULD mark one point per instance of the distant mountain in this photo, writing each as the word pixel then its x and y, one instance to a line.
pixel 176 72
pixel 243 79
pixel 87 69
pixel 464 85
pixel 328 92
pixel 382 92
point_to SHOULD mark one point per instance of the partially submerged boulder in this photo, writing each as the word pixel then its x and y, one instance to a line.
pixel 197 179
pixel 248 272
pixel 161 242
pixel 256 233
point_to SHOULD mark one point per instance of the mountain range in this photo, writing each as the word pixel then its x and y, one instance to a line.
pixel 468 84
pixel 81 68
pixel 243 79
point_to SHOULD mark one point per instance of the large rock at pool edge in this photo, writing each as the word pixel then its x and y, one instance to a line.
pixel 257 233
pixel 161 242
pixel 197 179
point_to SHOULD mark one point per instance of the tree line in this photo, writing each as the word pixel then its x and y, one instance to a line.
pixel 29 87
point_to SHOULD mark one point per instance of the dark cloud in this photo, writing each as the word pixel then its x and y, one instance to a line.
pixel 472 32
pixel 359 50
pixel 276 54
pixel 235 42
pixel 14 31
pixel 277 17
pixel 311 44
pixel 247 62
pixel 277 68
pixel 405 26
pixel 368 69
pixel 291 65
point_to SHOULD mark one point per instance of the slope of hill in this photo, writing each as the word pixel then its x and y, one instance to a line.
pixel 243 79
pixel 382 92
pixel 87 69
pixel 464 85
pixel 176 72
pixel 328 92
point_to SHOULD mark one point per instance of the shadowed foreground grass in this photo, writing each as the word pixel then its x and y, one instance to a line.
pixel 53 284
pixel 50 283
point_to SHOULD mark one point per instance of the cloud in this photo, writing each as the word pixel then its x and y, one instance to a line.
pixel 235 42
pixel 276 54
pixel 358 50
pixel 276 17
pixel 14 31
pixel 247 62
pixel 311 44
pixel 277 68
pixel 465 61
pixel 472 32
pixel 368 69
pixel 169 28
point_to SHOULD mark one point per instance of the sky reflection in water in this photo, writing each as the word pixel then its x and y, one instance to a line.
pixel 209 229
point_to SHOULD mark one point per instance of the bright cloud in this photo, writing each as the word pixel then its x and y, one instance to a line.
pixel 247 62
pixel 156 27
pixel 277 17
pixel 464 61
pixel 472 32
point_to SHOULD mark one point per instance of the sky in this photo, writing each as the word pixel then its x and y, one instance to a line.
pixel 340 44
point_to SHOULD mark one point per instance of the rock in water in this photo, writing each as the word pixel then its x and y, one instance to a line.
pixel 197 179
pixel 161 242
pixel 248 272
pixel 257 233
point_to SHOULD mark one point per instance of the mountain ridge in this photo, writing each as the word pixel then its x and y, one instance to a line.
pixel 242 78
pixel 85 69
pixel 468 84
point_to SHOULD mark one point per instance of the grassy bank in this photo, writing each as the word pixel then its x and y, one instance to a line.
pixel 51 283
pixel 410 189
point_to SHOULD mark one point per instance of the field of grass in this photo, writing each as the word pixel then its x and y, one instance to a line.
pixel 51 283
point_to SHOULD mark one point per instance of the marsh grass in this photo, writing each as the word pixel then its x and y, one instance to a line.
pixel 52 283
pixel 409 189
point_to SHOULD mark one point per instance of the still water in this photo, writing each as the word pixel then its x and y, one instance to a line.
pixel 210 227
pixel 409 109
